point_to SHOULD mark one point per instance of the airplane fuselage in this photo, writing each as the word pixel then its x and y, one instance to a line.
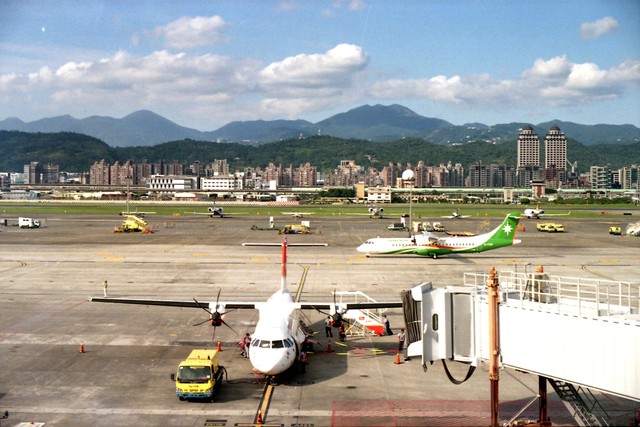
pixel 278 335
pixel 426 244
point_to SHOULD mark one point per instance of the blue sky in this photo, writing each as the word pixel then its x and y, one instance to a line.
pixel 204 64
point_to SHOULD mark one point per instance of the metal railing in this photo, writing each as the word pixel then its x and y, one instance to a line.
pixel 567 295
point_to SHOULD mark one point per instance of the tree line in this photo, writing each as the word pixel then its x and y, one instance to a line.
pixel 76 152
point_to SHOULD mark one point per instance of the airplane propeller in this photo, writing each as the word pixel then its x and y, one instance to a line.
pixel 215 317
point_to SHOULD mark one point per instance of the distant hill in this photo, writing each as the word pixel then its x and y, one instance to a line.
pixel 367 122
pixel 379 123
pixel 261 131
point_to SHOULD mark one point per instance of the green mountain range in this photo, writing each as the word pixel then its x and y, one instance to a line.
pixel 76 153
pixel 367 122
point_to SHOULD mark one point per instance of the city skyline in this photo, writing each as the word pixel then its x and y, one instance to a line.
pixel 217 175
pixel 204 65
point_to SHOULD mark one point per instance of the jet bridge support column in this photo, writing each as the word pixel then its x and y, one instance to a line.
pixel 543 416
pixel 494 343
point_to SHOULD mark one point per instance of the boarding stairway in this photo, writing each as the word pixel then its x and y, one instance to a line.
pixel 361 322
pixel 581 403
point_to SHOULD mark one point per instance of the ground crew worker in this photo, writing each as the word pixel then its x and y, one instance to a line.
pixel 401 338
pixel 304 361
pixel 387 325
pixel 104 288
pixel 327 326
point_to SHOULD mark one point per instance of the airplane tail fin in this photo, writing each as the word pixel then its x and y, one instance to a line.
pixel 283 273
pixel 505 233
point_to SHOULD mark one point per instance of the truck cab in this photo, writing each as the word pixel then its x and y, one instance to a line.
pixel 199 375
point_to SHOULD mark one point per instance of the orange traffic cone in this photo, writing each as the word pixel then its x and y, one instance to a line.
pixel 81 348
pixel 398 358
pixel 329 348
pixel 259 418
pixel 219 346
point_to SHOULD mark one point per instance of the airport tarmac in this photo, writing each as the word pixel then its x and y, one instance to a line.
pixel 123 378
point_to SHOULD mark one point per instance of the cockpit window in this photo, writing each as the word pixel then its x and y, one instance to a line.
pixel 265 344
pixel 277 344
pixel 288 343
pixel 255 342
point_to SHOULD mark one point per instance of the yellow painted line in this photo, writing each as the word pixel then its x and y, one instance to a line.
pixel 114 258
pixel 266 400
pixel 512 260
pixel 199 255
pixel 343 354
pixel 608 260
pixel 260 259
pixel 305 270
pixel 360 258
pixel 339 343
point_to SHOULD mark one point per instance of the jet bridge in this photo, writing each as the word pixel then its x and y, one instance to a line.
pixel 569 330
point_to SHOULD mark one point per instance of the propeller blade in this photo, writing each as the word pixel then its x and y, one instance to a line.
pixel 227 325
pixel 202 306
pixel 200 323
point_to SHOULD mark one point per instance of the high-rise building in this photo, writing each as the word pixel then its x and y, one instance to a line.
pixel 528 168
pixel 528 148
pixel 555 155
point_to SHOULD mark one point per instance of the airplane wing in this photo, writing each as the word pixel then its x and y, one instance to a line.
pixel 350 306
pixel 546 214
pixel 175 303
pixel 136 213
pixel 247 305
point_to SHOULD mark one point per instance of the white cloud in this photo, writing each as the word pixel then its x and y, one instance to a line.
pixel 205 83
pixel 601 27
pixel 186 33
pixel 552 69
pixel 551 82
pixel 333 68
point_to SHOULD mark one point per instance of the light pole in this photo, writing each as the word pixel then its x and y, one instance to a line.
pixel 409 178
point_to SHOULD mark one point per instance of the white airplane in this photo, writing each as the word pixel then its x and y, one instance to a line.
pixel 373 212
pixel 538 213
pixel 633 229
pixel 136 213
pixel 213 212
pixel 297 214
pixel 427 244
pixel 456 215
pixel 278 336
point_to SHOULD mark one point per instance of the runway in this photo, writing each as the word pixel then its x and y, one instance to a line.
pixel 47 274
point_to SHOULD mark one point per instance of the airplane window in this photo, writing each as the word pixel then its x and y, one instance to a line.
pixel 277 344
pixel 255 342
pixel 265 344
pixel 288 343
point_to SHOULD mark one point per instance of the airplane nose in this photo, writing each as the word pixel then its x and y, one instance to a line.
pixel 267 363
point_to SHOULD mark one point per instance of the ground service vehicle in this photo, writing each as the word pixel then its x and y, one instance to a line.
pixel 199 376
pixel 28 222
pixel 133 223
pixel 438 227
pixel 396 226
pixel 558 228
pixel 543 227
pixel 295 229
pixel 615 230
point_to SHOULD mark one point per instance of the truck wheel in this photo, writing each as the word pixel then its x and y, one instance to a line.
pixel 181 398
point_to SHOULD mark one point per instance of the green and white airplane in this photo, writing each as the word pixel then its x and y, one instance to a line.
pixel 427 244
